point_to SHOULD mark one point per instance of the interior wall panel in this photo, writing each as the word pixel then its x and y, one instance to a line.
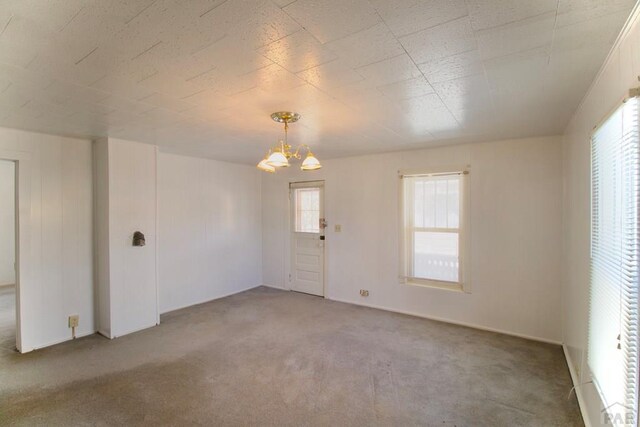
pixel 210 230
pixel 60 241
pixel 127 274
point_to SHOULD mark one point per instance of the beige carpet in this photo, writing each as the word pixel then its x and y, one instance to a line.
pixel 7 320
pixel 268 357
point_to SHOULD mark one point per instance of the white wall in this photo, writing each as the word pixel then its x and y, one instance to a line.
pixel 7 223
pixel 619 74
pixel 59 243
pixel 209 228
pixel 127 202
pixel 515 192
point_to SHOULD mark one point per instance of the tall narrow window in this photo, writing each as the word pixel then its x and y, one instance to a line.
pixel 613 307
pixel 433 232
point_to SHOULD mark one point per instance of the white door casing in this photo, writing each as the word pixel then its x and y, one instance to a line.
pixel 26 289
pixel 307 237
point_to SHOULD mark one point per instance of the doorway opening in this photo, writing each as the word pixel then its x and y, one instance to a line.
pixel 307 237
pixel 8 276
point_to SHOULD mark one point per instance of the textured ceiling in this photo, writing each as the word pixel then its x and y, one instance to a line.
pixel 201 77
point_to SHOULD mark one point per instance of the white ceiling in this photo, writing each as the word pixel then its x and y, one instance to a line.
pixel 201 77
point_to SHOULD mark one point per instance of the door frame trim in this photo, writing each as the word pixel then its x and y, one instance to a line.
pixel 22 215
pixel 287 271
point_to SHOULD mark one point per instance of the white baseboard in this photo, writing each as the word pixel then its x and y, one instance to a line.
pixel 577 387
pixel 438 319
pixel 55 342
pixel 102 333
pixel 453 322
pixel 133 331
pixel 275 287
pixel 228 294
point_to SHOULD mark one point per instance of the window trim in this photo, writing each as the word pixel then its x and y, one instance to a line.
pixel 464 282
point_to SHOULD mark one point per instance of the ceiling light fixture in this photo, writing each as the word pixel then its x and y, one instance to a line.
pixel 264 166
pixel 278 156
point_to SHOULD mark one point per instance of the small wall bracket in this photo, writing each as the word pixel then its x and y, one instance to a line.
pixel 138 239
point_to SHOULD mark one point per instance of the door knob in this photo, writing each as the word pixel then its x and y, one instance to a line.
pixel 323 223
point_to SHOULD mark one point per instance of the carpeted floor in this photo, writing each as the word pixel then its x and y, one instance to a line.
pixel 7 320
pixel 269 357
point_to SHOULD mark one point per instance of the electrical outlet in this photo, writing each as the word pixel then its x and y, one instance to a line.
pixel 74 320
pixel 364 293
pixel 338 228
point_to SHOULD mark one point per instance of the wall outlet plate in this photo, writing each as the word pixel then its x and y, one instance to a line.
pixel 364 293
pixel 74 321
pixel 338 228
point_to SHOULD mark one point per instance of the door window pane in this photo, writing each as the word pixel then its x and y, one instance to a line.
pixel 307 204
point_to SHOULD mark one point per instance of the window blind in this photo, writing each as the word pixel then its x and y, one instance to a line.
pixel 613 307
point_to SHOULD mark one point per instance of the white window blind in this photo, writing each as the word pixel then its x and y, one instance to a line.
pixel 432 228
pixel 613 307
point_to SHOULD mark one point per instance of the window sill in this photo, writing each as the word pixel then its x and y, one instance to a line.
pixel 434 284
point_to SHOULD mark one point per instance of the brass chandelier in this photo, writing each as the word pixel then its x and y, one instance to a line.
pixel 278 156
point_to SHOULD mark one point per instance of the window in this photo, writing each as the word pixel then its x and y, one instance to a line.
pixel 433 228
pixel 613 307
pixel 307 210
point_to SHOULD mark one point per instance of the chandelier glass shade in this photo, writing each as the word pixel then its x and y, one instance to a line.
pixel 264 166
pixel 279 156
pixel 277 159
pixel 310 163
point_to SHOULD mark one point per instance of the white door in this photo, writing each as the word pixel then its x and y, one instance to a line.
pixel 307 237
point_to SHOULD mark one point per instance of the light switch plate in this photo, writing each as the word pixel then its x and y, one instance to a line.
pixel 338 228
